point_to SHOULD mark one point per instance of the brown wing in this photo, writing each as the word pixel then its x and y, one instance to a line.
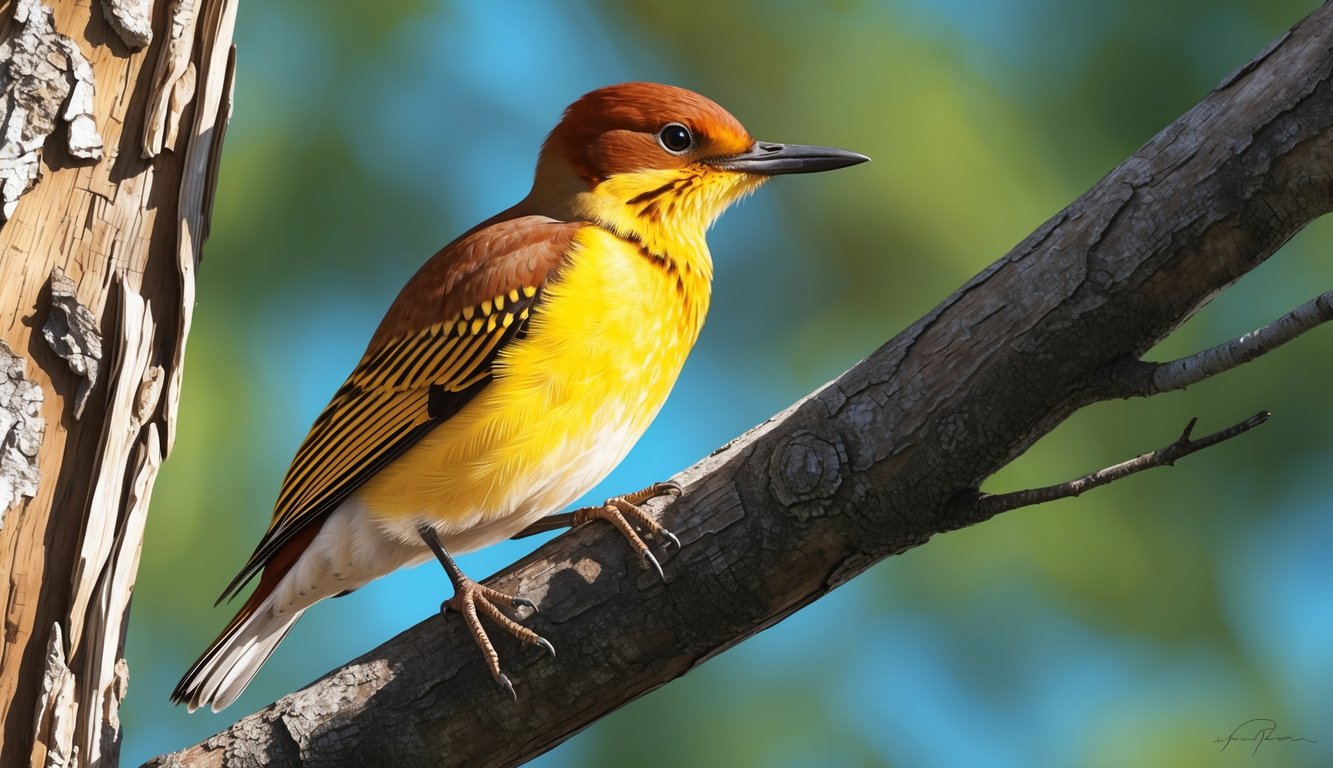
pixel 431 355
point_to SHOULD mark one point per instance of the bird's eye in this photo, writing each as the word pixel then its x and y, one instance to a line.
pixel 675 138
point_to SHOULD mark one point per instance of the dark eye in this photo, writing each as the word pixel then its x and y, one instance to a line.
pixel 675 137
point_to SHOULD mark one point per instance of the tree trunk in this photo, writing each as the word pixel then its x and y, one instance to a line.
pixel 112 115
pixel 874 463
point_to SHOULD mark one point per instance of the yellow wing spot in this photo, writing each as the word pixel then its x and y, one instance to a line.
pixel 529 291
pixel 490 324
pixel 499 303
pixel 486 308
pixel 524 314
pixel 461 328
pixel 508 320
pixel 513 294
pixel 468 312
pixel 476 326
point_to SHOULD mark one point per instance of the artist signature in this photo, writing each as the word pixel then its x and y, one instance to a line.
pixel 1257 730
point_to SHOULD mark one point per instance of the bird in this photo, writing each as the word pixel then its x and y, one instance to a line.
pixel 511 374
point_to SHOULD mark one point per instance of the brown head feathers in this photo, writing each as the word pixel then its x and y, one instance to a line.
pixel 638 126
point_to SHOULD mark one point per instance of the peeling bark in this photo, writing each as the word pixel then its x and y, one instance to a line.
pixel 120 267
pixel 132 21
pixel 21 430
pixel 874 463
pixel 71 331
pixel 55 704
pixel 41 71
pixel 173 82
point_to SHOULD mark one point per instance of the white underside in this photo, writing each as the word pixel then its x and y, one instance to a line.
pixel 352 548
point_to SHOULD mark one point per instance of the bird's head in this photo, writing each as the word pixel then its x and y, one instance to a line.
pixel 658 161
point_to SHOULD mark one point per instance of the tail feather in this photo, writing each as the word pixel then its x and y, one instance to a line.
pixel 233 659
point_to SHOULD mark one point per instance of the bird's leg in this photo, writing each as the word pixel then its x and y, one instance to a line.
pixel 470 598
pixel 625 513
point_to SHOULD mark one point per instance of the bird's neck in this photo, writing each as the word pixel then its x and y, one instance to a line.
pixel 676 238
pixel 664 212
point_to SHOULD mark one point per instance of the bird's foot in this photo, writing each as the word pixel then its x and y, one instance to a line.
pixel 625 513
pixel 471 600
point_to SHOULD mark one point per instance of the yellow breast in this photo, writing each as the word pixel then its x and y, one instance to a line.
pixel 567 402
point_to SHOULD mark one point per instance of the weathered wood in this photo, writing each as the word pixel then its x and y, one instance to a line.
pixel 98 245
pixel 872 464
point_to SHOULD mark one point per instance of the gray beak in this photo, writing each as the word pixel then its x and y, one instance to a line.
pixel 768 159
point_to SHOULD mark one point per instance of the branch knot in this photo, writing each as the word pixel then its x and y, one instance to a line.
pixel 805 468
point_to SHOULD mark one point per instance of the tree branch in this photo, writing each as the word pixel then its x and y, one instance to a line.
pixel 1135 378
pixel 865 468
pixel 984 506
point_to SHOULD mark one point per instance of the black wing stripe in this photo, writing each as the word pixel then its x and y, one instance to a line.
pixel 430 360
pixel 457 363
pixel 370 422
pixel 473 366
pixel 409 362
pixel 341 456
pixel 362 398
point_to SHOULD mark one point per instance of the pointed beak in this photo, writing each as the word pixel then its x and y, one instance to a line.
pixel 768 159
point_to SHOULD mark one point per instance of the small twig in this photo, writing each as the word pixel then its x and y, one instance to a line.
pixel 1141 379
pixel 985 505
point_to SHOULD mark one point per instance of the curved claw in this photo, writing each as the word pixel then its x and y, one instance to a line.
pixel 629 518
pixel 648 559
pixel 543 642
pixel 503 680
pixel 523 602
pixel 669 487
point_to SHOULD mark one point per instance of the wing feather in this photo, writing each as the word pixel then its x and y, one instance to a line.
pixel 420 369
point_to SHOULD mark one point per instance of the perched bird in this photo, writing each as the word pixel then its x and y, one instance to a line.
pixel 513 372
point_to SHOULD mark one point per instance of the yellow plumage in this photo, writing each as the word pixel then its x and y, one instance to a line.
pixel 567 401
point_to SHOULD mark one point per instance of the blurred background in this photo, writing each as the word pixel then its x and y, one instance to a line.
pixel 1130 627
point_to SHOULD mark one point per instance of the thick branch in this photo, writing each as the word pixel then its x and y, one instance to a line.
pixel 1136 378
pixel 865 468
pixel 984 506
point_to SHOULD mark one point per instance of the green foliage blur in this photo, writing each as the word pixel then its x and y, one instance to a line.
pixel 1133 626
